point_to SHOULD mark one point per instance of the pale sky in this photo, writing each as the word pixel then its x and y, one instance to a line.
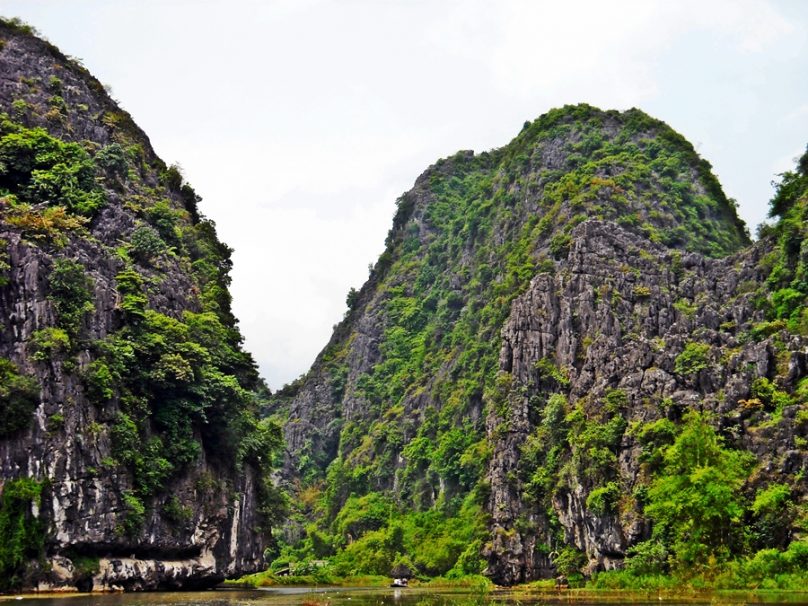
pixel 300 122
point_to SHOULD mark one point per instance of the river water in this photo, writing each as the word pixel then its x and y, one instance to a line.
pixel 340 596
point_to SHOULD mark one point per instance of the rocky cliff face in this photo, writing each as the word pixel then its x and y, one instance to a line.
pixel 126 445
pixel 475 228
pixel 613 319
pixel 544 319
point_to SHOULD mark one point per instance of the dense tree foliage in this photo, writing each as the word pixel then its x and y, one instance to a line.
pixel 19 395
pixel 788 262
pixel 36 167
pixel 22 531
pixel 179 383
pixel 707 530
pixel 463 245
pixel 695 501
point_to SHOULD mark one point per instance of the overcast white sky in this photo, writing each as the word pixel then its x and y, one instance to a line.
pixel 300 121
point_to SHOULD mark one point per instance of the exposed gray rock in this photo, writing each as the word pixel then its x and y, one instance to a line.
pixel 68 444
pixel 607 318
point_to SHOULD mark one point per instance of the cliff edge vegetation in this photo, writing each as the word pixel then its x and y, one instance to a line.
pixel 131 451
pixel 570 359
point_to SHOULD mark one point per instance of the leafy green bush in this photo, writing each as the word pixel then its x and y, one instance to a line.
pixel 549 372
pixel 786 301
pixel 142 454
pixel 20 109
pixel 774 513
pixel 166 221
pixel 642 291
pixel 147 243
pixel 654 437
pixel 761 330
pixel 99 381
pixel 569 561
pixel 767 569
pixel 112 160
pixel 22 535
pixel 769 395
pixel 132 300
pixel 71 293
pixel 686 308
pixel 175 511
pixel 5 266
pixel 47 343
pixel 134 515
pixel 48 226
pixel 594 440
pixel 647 558
pixel 352 298
pixel 615 400
pixel 694 358
pixel 19 396
pixel 459 457
pixel 602 500
pixel 40 168
pixel 362 514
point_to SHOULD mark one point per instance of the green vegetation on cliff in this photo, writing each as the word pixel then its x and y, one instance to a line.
pixel 118 332
pixel 38 168
pixel 788 262
pixel 22 531
pixel 465 242
pixel 456 424
pixel 173 378
pixel 18 398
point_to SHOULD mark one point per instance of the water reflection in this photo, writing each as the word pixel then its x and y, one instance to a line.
pixel 340 596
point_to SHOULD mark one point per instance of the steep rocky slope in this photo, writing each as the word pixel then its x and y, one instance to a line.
pixel 616 322
pixel 472 232
pixel 129 452
pixel 527 350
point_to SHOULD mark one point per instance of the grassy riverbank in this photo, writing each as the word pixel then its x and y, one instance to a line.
pixel 651 569
pixel 733 578
pixel 321 577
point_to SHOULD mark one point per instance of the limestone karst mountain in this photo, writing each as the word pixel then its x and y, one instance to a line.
pixel 130 452
pixel 547 320
pixel 569 358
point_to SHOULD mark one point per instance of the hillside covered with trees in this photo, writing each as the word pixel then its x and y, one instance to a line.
pixel 570 359
pixel 131 450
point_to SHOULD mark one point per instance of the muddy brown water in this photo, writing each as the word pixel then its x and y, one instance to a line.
pixel 341 596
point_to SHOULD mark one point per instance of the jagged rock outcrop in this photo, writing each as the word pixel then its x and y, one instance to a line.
pixel 615 315
pixel 527 176
pixel 129 466
pixel 537 310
